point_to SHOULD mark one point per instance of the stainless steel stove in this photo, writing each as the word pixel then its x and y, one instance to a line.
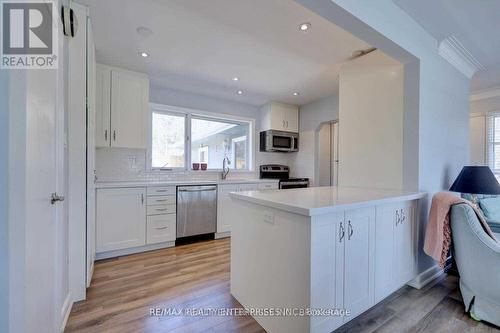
pixel 282 172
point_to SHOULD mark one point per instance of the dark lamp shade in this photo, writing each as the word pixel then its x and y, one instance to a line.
pixel 476 180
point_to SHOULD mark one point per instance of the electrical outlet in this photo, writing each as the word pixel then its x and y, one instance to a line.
pixel 269 217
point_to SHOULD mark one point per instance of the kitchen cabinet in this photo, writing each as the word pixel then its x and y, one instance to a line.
pixel 161 214
pixel 395 250
pixel 280 117
pixel 121 218
pixel 122 108
pixel 359 258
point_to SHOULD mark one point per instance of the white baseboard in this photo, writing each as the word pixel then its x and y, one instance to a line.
pixel 425 277
pixel 65 311
pixel 223 234
pixel 124 252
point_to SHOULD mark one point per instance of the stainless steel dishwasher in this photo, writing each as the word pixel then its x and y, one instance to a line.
pixel 196 210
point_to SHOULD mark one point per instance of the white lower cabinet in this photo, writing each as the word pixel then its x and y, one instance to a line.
pixel 161 228
pixel 359 260
pixel 121 218
pixel 395 247
pixel 359 257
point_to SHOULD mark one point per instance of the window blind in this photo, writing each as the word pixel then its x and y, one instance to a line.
pixel 493 143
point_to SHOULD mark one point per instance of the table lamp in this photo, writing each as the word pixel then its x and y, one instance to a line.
pixel 476 180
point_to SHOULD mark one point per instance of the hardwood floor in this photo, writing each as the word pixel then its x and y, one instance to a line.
pixel 124 289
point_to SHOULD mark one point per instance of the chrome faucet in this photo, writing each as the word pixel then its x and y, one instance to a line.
pixel 225 167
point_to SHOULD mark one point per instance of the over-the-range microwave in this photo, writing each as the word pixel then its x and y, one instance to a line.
pixel 279 141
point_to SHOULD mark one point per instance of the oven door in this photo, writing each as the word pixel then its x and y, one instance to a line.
pixel 293 184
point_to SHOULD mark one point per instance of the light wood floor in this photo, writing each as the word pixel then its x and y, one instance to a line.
pixel 197 276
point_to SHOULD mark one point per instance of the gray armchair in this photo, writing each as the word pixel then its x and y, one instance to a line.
pixel 494 225
pixel 478 262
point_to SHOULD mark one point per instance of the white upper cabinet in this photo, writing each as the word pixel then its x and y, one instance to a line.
pixel 122 108
pixel 103 106
pixel 280 117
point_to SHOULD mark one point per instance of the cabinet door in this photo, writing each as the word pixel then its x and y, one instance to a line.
pixel 224 214
pixel 278 115
pixel 327 269
pixel 121 218
pixel 292 119
pixel 359 260
pixel 129 109
pixel 385 255
pixel 103 106
pixel 405 244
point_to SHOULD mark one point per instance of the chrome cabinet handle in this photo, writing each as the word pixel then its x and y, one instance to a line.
pixel 287 124
pixel 341 232
pixel 54 197
pixel 350 230
pixel 142 198
pixel 161 209
pixel 403 216
pixel 398 219
pixel 161 228
pixel 114 135
pixel 283 123
pixel 106 135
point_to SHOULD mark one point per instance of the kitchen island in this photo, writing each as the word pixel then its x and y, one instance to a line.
pixel 332 251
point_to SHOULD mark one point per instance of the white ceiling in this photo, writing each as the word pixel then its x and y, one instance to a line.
pixel 200 45
pixel 476 24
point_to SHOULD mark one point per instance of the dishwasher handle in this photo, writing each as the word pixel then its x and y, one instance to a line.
pixel 213 188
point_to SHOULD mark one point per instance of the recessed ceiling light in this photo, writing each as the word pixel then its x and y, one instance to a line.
pixel 144 54
pixel 296 93
pixel 239 92
pixel 236 78
pixel 304 26
pixel 144 32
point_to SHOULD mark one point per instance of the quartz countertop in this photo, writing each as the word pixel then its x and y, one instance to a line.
pixel 145 183
pixel 322 200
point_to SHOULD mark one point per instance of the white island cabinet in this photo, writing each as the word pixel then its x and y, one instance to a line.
pixel 328 249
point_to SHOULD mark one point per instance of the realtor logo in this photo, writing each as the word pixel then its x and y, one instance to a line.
pixel 29 36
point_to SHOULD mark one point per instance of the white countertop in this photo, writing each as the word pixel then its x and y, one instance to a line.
pixel 321 200
pixel 145 183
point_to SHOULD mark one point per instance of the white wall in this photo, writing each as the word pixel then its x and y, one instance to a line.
pixel 130 164
pixel 478 131
pixel 443 107
pixel 304 163
pixel 371 109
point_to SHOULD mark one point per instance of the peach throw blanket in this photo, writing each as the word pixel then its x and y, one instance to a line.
pixel 438 231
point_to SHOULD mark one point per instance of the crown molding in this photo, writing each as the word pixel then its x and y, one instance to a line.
pixel 459 57
pixel 485 94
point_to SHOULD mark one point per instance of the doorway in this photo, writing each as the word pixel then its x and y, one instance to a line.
pixel 328 159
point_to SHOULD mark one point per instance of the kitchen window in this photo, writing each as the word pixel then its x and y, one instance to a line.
pixel 181 137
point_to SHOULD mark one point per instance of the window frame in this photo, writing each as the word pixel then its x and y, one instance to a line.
pixel 188 113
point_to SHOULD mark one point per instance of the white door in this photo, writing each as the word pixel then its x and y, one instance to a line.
pixel 91 120
pixel 121 218
pixel 404 246
pixel 45 261
pixel 359 260
pixel 385 256
pixel 103 106
pixel 129 109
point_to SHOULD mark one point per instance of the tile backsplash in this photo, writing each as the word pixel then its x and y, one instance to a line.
pixel 123 164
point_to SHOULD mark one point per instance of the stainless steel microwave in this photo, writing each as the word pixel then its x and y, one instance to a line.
pixel 279 141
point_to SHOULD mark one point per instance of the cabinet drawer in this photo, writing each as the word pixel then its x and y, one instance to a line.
pixel 268 186
pixel 161 228
pixel 161 209
pixel 161 190
pixel 161 200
